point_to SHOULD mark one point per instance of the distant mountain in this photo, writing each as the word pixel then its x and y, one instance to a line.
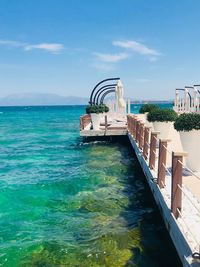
pixel 37 99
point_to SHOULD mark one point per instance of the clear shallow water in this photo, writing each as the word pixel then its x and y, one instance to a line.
pixel 68 203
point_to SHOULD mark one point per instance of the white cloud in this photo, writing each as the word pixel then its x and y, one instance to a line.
pixel 10 43
pixel 53 48
pixel 111 58
pixel 137 47
pixel 103 66
pixel 49 47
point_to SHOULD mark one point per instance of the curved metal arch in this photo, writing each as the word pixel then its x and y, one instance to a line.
pixel 105 94
pixel 106 89
pixel 101 88
pixel 196 86
pixel 106 80
pixel 180 89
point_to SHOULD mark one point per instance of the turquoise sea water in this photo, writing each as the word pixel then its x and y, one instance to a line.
pixel 68 203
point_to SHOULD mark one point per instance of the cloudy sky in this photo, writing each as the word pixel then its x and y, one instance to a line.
pixel 67 46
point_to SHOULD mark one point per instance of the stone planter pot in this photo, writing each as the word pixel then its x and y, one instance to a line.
pixel 96 118
pixel 163 127
pixel 191 144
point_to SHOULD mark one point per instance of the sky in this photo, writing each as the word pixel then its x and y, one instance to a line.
pixel 67 46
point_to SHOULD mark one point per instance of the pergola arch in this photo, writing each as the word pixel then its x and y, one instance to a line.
pixel 94 89
pixel 105 94
pixel 102 89
pixel 181 89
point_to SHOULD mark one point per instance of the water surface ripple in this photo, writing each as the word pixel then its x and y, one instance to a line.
pixel 68 203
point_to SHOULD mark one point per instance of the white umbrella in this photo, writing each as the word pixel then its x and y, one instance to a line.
pixel 119 95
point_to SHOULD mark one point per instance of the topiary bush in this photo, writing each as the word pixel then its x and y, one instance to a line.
pixel 97 109
pixel 147 108
pixel 105 108
pixel 187 122
pixel 162 115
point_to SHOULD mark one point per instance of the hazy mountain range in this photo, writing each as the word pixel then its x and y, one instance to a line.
pixel 40 99
pixel 37 99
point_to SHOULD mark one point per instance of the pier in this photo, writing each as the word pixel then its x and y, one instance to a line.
pixel 175 187
pixel 113 128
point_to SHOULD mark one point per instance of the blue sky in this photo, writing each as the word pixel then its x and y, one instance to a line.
pixel 67 46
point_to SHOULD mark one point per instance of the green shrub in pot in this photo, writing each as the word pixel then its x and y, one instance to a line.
pixel 188 125
pixel 94 111
pixel 162 120
pixel 162 115
pixel 97 109
pixel 187 122
pixel 145 108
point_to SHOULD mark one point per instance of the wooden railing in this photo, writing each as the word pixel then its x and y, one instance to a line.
pixel 84 121
pixel 155 152
pixel 148 142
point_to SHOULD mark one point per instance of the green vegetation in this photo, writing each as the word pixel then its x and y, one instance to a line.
pixel 162 115
pixel 97 109
pixel 110 250
pixel 187 122
pixel 148 107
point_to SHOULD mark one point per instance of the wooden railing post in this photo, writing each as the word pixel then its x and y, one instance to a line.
pixel 106 122
pixel 146 142
pixel 81 123
pixel 162 159
pixel 84 121
pixel 176 193
pixel 137 131
pixel 141 136
pixel 129 126
pixel 134 126
pixel 152 157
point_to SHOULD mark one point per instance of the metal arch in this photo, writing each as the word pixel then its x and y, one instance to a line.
pixel 106 80
pixel 107 88
pixel 105 94
pixel 101 88
pixel 180 89
pixel 196 86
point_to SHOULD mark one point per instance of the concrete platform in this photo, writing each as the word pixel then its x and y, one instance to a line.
pixel 115 128
pixel 116 132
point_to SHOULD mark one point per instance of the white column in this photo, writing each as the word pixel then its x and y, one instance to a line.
pixel 186 101
pixel 129 105
pixel 116 101
pixel 196 102
pixel 176 101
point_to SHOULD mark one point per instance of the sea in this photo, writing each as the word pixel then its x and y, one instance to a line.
pixel 66 202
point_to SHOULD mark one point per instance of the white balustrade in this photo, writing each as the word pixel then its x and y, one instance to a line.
pixel 187 101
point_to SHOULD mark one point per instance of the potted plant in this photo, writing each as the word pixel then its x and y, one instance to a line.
pixel 95 111
pixel 144 110
pixel 188 125
pixel 163 120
